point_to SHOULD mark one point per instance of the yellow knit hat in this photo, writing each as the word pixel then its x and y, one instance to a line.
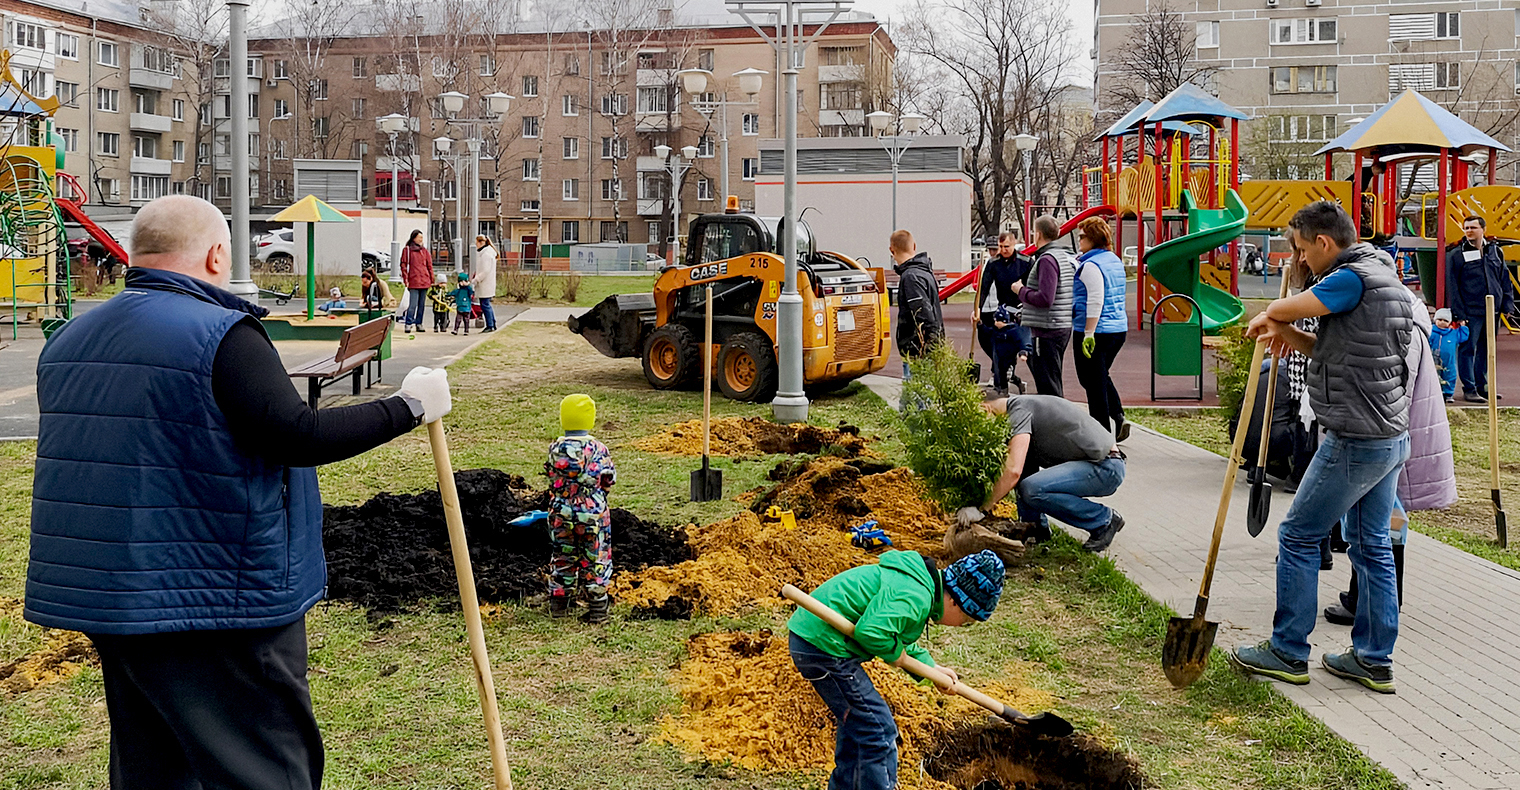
pixel 577 413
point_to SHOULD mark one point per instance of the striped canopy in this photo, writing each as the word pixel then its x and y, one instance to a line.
pixel 1411 120
pixel 310 209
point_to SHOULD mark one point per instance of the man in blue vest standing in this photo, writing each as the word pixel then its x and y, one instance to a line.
pixel 192 555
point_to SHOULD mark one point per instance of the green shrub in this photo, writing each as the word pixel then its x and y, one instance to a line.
pixel 1232 366
pixel 954 446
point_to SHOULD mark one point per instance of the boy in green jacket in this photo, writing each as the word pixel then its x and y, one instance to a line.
pixel 890 603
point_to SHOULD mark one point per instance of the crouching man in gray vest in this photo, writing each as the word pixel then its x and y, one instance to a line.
pixel 1358 387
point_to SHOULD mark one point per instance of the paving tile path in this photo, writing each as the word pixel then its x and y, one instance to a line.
pixel 1455 721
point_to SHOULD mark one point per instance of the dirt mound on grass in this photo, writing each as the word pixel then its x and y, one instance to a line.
pixel 841 493
pixel 734 436
pixel 999 757
pixel 743 702
pixel 393 550
pixel 60 658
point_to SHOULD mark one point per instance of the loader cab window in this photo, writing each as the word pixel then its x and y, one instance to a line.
pixel 804 238
pixel 720 241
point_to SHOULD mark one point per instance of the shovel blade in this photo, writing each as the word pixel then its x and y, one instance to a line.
pixel 1259 509
pixel 1046 723
pixel 706 485
pixel 1185 654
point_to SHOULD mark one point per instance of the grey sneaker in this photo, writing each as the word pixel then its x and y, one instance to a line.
pixel 1099 539
pixel 1347 665
pixel 559 606
pixel 1263 660
pixel 598 610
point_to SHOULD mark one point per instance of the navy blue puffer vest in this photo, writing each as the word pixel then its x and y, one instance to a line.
pixel 146 517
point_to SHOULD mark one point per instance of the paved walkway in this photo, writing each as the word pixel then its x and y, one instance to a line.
pixel 1455 722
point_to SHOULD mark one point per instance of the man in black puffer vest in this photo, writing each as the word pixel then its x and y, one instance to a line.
pixel 919 321
pixel 1359 389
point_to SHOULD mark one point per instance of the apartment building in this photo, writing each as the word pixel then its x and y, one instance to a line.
pixel 1306 69
pixel 127 118
pixel 573 160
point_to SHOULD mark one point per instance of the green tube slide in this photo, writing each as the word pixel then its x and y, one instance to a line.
pixel 1174 263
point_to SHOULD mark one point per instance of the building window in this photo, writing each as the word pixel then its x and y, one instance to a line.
pixel 569 105
pixel 612 189
pixel 24 34
pixel 224 186
pixel 108 143
pixel 110 55
pixel 839 96
pixel 279 149
pixel 1303 79
pixel 530 126
pixel 1423 27
pixel 571 188
pixel 529 206
pixel 487 189
pixel 570 231
pixel 705 59
pixel 445 190
pixel 1448 75
pixel 177 107
pixel 1423 76
pixel 149 187
pixel 357 149
pixel 842 56
pixel 108 99
pixel 654 99
pixel 1301 128
pixel 358 108
pixel 705 147
pixel 704 189
pixel 487 65
pixel 255 71
pixel 655 227
pixel 144 147
pixel 530 85
pixel 572 68
pixel 253 105
pixel 1303 31
pixel 570 148
pixel 319 90
pixel 1448 25
pixel 203 154
pixel 613 231
pixel 615 104
pixel 281 108
pixel 654 185
pixel 614 148
pixel 177 187
pixel 1208 35
pixel 751 125
pixel 530 169
pixel 435 108
pixel 361 68
pixel 488 146
pixel 179 150
pixel 70 139
pixel 751 168
pixel 66 45
pixel 407 188
pixel 110 189
pixel 320 127
pixel 280 70
pixel 67 93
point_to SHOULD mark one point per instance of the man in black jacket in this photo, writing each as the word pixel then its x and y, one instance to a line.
pixel 1474 269
pixel 919 321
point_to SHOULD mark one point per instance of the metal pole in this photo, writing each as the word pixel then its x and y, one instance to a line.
pixel 675 209
pixel 237 28
pixel 894 154
pixel 396 198
pixel 1028 197
pixel 458 255
pixel 723 200
pixel 474 185
pixel 790 403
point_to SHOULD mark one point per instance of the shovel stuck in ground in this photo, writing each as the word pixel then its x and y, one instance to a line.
pixel 1259 507
pixel 1040 724
pixel 1501 526
pixel 1185 653
pixel 707 482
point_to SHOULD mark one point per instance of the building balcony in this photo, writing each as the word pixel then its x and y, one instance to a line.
pixel 398 82
pixel 841 117
pixel 656 122
pixel 404 164
pixel 148 122
pixel 651 207
pixel 148 166
pixel 841 73
pixel 139 77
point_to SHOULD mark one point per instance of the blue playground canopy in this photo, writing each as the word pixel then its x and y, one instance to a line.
pixel 1192 103
pixel 1132 121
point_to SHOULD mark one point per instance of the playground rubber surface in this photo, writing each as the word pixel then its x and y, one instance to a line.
pixel 393 551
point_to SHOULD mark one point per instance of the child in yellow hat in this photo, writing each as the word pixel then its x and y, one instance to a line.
pixel 580 471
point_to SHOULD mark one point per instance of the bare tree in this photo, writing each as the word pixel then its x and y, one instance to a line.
pixel 1269 150
pixel 624 27
pixel 197 31
pixel 1160 56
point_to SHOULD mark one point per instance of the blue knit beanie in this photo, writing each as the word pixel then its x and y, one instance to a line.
pixel 976 582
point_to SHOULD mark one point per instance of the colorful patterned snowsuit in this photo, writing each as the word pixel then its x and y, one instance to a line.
pixel 580 471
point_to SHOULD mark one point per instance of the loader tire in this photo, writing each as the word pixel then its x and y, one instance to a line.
pixel 672 358
pixel 747 368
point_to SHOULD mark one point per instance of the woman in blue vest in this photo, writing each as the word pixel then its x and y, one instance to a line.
pixel 1099 322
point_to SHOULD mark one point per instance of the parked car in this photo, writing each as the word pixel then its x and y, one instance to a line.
pixel 1251 259
pixel 379 260
pixel 275 252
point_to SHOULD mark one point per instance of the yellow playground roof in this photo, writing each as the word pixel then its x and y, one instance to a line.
pixel 310 209
pixel 1411 120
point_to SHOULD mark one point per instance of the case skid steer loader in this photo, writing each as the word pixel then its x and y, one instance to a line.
pixel 844 312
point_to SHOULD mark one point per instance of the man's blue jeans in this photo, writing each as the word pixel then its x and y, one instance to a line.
pixel 1472 358
pixel 865 748
pixel 1063 489
pixel 1358 478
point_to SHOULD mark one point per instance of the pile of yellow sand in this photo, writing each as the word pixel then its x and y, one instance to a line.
pixel 735 436
pixel 60 658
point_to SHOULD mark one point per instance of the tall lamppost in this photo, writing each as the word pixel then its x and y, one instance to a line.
pixel 237 29
pixel 496 105
pixel 896 143
pixel 695 83
pixel 392 125
pixel 790 20
pixel 442 147
pixel 1025 144
pixel 676 168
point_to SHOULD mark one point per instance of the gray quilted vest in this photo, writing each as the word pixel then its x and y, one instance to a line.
pixel 1358 379
pixel 1058 315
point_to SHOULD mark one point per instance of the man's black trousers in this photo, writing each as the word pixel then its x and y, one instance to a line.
pixel 197 710
pixel 1045 363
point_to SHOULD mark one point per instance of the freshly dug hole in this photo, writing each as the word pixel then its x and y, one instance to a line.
pixel 1003 757
pixel 734 436
pixel 393 550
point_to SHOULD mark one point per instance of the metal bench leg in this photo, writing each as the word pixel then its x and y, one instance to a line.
pixel 356 380
pixel 313 392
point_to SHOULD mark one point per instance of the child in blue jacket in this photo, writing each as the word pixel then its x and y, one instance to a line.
pixel 1444 339
pixel 462 296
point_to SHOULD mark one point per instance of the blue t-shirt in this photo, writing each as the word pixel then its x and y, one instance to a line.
pixel 1340 292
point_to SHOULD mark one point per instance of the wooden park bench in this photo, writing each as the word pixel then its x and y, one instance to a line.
pixel 358 347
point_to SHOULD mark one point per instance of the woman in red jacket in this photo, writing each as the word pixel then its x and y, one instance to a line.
pixel 417 271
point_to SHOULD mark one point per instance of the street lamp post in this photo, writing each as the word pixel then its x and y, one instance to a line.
pixel 237 28
pixel 496 105
pixel 676 168
pixel 896 144
pixel 392 125
pixel 695 83
pixel 790 20
pixel 1025 144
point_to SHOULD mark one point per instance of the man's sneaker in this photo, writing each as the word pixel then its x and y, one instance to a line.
pixel 1347 665
pixel 1099 539
pixel 1473 397
pixel 1018 384
pixel 1339 615
pixel 1263 660
pixel 559 606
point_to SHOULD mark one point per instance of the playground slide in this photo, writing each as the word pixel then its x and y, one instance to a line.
pixel 1174 263
pixel 970 278
pixel 75 212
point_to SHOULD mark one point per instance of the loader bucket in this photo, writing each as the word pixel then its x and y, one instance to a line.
pixel 616 327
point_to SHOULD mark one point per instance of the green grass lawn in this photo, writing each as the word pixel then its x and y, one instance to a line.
pixel 581 706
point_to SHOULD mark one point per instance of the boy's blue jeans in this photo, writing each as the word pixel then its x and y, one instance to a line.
pixel 1063 490
pixel 865 749
pixel 1358 478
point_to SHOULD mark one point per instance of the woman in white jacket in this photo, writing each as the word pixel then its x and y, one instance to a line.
pixel 484 279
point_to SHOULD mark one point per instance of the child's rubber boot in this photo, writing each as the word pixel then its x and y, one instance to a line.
pixel 559 606
pixel 599 610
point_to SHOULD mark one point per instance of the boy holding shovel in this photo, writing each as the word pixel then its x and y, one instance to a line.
pixel 889 603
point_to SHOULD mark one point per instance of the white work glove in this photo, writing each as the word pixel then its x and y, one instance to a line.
pixel 968 515
pixel 430 387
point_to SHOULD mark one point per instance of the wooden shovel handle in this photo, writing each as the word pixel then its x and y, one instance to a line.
pixel 484 685
pixel 1231 468
pixel 1266 412
pixel 1493 386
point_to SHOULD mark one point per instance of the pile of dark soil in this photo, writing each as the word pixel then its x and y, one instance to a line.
pixel 1002 757
pixel 392 551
